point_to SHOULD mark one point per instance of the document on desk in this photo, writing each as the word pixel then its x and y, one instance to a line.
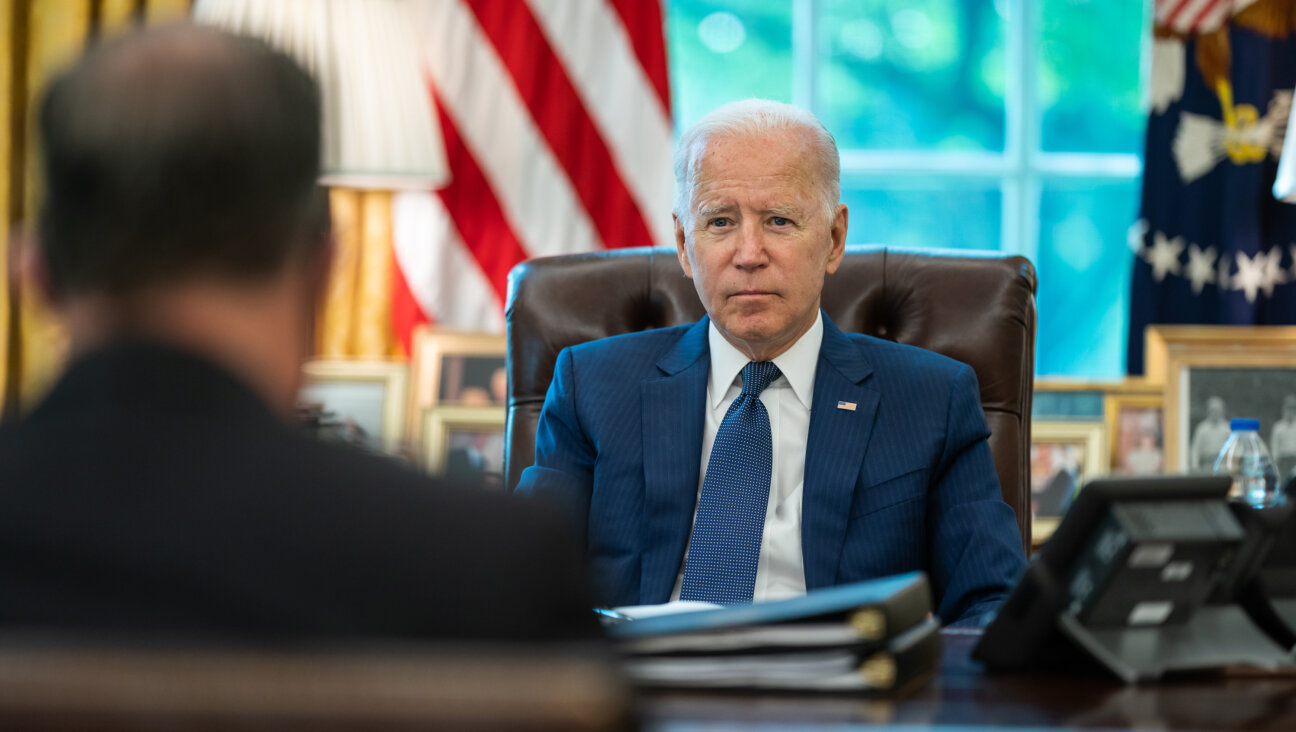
pixel 910 655
pixel 871 635
pixel 871 610
pixel 749 640
pixel 639 612
pixel 744 670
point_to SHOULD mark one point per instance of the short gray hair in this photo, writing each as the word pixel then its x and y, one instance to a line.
pixel 755 117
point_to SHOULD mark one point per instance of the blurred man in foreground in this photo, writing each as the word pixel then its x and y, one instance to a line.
pixel 761 451
pixel 158 487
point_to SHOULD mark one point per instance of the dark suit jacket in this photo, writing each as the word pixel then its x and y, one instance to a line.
pixel 152 491
pixel 904 482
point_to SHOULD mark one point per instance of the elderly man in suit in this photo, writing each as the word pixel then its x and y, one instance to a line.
pixel 160 488
pixel 761 451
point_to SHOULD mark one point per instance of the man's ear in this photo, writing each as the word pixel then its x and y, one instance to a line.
pixel 680 248
pixel 27 265
pixel 837 234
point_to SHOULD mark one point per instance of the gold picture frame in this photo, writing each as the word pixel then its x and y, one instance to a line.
pixel 1056 443
pixel 1119 385
pixel 369 392
pixel 1190 360
pixel 483 430
pixel 1160 342
pixel 1135 422
pixel 452 368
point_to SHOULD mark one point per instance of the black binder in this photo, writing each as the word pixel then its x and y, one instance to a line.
pixel 866 636
pixel 870 611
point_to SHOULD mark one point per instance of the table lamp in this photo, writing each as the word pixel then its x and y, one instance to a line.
pixel 380 129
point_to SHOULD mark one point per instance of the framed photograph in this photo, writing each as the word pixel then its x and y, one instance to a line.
pixel 454 369
pixel 366 397
pixel 1064 455
pixel 1069 399
pixel 465 443
pixel 1160 342
pixel 1135 432
pixel 1212 374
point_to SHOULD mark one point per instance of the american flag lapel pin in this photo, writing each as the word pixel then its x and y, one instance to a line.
pixel 848 406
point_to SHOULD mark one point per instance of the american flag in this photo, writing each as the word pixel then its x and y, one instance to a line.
pixel 557 128
pixel 1195 16
pixel 1212 245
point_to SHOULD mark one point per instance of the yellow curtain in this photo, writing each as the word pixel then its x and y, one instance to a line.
pixel 55 33
pixel 6 215
pixel 355 319
pixel 37 37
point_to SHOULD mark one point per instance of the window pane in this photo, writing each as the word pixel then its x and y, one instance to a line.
pixel 723 51
pixel 1084 268
pixel 924 214
pixel 1088 76
pixel 912 74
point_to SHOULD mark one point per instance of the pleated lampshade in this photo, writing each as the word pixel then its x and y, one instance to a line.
pixel 380 129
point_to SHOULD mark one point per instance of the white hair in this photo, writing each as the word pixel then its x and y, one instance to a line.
pixel 752 117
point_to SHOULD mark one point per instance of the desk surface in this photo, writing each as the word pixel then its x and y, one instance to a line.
pixel 963 696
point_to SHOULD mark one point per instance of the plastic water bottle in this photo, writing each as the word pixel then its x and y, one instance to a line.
pixel 1245 458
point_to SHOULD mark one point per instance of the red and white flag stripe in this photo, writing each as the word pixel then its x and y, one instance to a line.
pixel 1196 16
pixel 556 119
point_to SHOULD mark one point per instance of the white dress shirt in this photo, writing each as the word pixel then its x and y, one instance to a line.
pixel 781 570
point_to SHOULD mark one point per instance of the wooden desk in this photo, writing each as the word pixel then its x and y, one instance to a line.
pixel 58 683
pixel 962 695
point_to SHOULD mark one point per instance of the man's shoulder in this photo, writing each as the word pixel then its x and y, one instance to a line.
pixel 350 475
pixel 513 552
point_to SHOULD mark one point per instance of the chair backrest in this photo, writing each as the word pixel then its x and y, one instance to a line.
pixel 978 308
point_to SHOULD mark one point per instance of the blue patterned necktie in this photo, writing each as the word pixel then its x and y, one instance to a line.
pixel 724 547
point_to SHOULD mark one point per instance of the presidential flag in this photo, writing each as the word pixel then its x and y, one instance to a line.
pixel 1212 245
pixel 557 128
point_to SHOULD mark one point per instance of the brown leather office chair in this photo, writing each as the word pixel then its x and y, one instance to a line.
pixel 974 307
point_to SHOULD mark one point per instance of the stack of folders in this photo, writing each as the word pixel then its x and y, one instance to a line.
pixel 872 636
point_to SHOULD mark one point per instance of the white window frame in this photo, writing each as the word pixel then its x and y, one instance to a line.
pixel 1020 169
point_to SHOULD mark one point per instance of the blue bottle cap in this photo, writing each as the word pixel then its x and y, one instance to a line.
pixel 1244 425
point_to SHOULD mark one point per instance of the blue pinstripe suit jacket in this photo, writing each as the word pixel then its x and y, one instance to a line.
pixel 904 482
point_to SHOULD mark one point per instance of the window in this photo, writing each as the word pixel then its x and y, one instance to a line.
pixel 1014 125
